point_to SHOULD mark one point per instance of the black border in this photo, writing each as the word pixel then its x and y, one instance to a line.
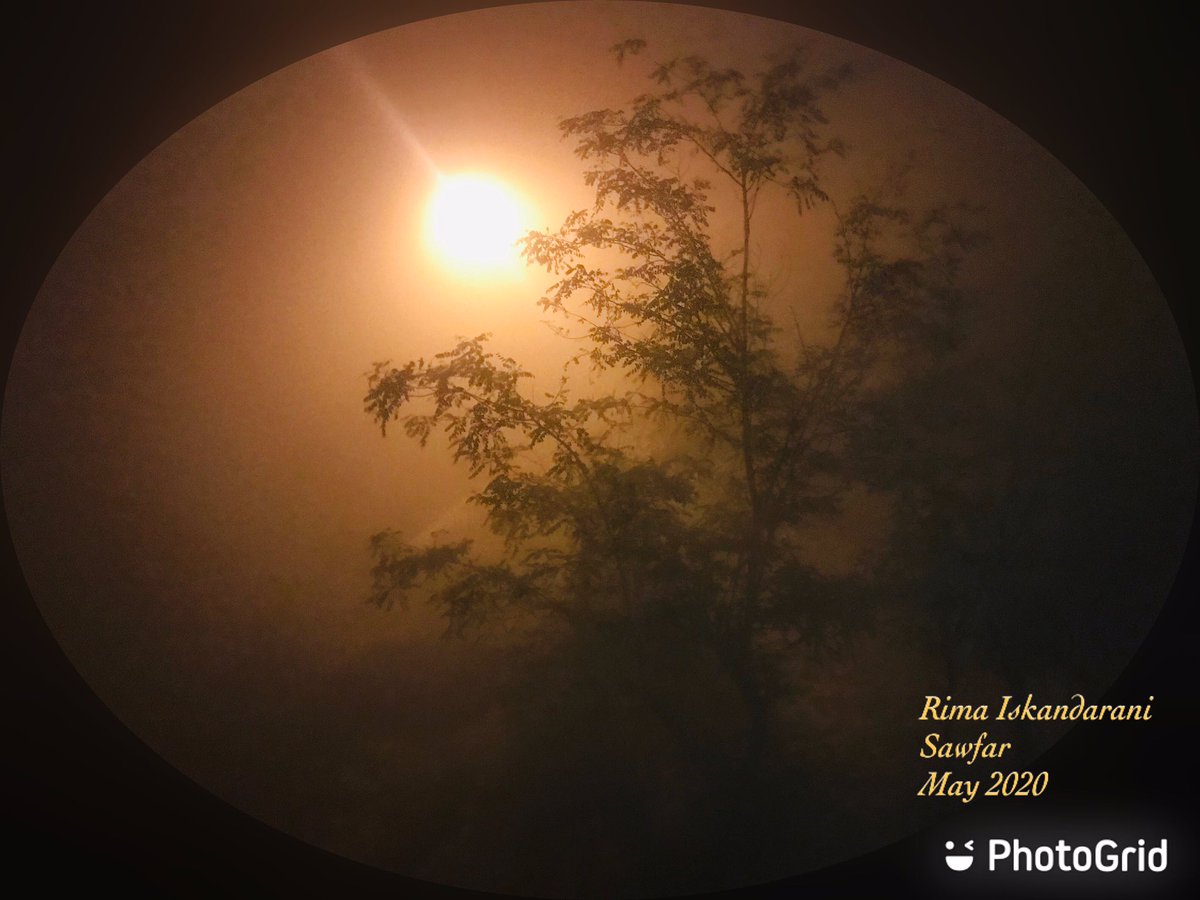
pixel 90 93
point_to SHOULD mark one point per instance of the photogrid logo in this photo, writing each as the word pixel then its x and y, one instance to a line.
pixel 1106 855
pixel 960 862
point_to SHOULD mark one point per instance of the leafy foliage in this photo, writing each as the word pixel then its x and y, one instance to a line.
pixel 604 526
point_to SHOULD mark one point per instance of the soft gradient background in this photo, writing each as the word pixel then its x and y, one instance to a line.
pixel 188 474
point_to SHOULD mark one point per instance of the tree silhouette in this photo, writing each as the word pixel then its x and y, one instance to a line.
pixel 680 497
pixel 662 509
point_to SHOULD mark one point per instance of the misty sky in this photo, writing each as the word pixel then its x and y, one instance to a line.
pixel 188 471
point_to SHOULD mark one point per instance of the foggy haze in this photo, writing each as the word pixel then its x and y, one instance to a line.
pixel 191 480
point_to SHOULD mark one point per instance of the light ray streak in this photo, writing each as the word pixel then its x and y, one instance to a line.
pixel 352 60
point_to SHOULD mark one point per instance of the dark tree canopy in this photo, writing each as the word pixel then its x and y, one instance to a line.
pixel 674 504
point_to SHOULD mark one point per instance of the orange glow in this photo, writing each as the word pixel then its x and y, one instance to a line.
pixel 473 222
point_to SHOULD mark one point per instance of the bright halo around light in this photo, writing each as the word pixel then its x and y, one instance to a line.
pixel 473 223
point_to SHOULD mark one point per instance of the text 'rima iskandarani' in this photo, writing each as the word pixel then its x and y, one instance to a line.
pixel 1001 783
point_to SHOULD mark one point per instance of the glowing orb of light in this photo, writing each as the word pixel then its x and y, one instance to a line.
pixel 473 222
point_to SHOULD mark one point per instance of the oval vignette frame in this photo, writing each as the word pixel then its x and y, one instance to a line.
pixel 234 855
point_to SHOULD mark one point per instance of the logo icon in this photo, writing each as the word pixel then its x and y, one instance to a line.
pixel 960 862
